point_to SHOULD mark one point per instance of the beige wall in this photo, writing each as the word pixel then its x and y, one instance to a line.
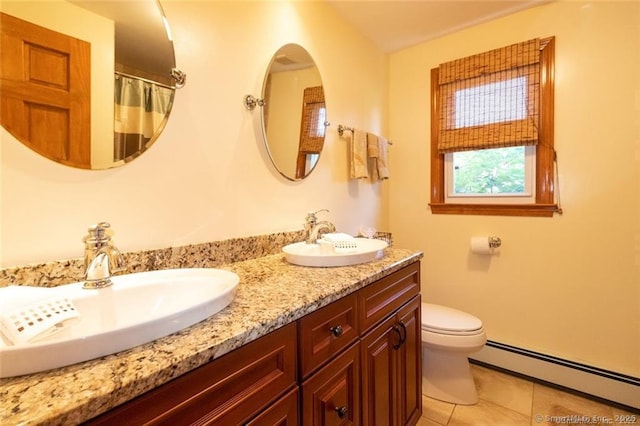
pixel 208 176
pixel 568 286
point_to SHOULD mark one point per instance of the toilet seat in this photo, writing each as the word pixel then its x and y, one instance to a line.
pixel 444 320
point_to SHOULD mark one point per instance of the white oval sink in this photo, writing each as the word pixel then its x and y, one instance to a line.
pixel 136 309
pixel 323 254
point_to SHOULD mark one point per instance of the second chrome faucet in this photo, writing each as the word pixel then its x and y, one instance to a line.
pixel 314 229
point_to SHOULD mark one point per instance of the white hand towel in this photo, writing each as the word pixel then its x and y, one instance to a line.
pixel 358 166
pixel 373 153
pixel 337 236
pixel 32 322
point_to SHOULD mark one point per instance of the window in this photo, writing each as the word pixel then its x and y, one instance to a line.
pixel 498 102
pixel 504 175
pixel 492 132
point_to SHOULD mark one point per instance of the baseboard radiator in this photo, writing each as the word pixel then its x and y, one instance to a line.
pixel 615 387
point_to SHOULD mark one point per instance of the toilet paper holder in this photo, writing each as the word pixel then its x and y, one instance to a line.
pixel 494 242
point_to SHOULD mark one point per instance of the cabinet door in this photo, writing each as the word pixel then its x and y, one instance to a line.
pixel 332 395
pixel 410 363
pixel 391 369
pixel 379 373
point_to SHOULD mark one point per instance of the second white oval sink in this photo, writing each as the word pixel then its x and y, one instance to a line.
pixel 136 309
pixel 322 254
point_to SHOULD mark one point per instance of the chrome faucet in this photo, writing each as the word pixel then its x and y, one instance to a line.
pixel 313 228
pixel 101 258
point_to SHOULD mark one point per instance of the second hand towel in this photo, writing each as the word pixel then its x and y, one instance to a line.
pixel 358 160
pixel 373 153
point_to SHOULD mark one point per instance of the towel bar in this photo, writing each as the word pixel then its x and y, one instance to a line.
pixel 342 129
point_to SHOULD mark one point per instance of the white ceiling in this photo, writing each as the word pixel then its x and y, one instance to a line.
pixel 140 37
pixel 393 25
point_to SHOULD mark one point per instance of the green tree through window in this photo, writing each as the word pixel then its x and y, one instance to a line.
pixel 489 171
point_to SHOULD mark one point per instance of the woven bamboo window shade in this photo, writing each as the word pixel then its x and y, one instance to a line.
pixel 490 100
pixel 312 126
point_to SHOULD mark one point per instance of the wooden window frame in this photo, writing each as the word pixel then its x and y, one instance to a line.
pixel 310 143
pixel 544 205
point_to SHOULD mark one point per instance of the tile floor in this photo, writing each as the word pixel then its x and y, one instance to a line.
pixel 512 401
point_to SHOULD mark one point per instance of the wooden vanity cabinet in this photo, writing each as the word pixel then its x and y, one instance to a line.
pixel 383 385
pixel 355 361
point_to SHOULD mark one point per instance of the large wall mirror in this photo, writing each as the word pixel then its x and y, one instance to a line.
pixel 87 83
pixel 293 112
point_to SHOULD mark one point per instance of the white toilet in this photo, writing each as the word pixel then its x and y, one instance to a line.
pixel 448 337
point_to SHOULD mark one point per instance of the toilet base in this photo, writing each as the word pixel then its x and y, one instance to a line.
pixel 447 376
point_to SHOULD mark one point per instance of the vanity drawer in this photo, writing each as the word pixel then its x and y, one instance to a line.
pixel 325 332
pixel 229 390
pixel 376 301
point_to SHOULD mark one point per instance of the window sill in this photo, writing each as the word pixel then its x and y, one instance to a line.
pixel 533 210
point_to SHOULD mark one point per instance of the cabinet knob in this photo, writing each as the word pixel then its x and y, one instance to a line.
pixel 336 330
pixel 342 412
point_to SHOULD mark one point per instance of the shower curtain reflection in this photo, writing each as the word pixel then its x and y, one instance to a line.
pixel 141 108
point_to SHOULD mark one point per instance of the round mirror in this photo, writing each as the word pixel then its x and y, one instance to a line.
pixel 94 88
pixel 294 113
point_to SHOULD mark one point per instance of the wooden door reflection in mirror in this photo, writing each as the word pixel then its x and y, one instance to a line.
pixel 45 91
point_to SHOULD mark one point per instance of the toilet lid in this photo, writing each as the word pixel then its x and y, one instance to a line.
pixel 442 318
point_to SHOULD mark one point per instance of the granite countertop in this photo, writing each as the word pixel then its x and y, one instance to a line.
pixel 271 294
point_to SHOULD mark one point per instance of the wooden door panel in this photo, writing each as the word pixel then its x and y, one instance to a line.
pixel 45 79
pixel 47 66
pixel 49 127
